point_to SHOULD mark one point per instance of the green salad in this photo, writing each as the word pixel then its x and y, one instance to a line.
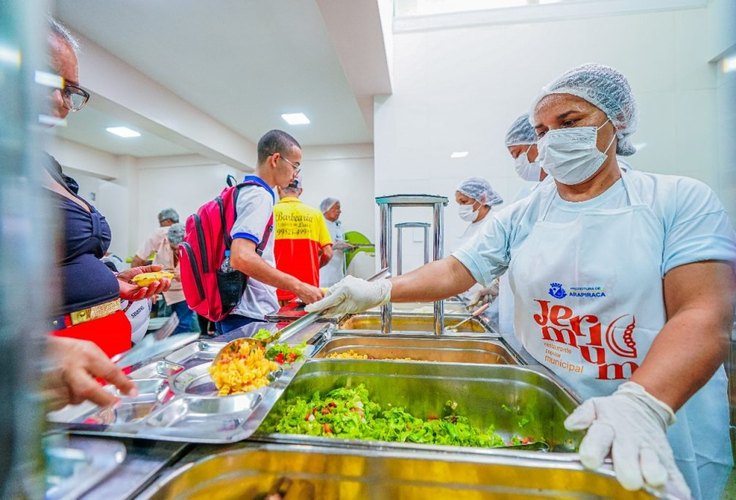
pixel 282 353
pixel 349 413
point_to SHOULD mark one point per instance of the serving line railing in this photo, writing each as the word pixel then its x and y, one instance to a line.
pixel 386 205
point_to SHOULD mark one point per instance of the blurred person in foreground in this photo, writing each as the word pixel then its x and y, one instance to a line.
pixel 90 311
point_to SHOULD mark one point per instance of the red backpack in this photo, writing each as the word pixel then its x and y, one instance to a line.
pixel 209 290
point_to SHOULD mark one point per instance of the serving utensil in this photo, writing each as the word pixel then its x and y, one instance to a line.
pixel 474 314
pixel 286 332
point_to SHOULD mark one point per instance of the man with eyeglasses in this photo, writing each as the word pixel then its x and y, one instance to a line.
pixel 279 163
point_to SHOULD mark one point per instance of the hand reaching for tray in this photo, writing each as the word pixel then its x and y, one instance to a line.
pixel 75 365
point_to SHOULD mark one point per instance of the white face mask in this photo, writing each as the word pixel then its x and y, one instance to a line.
pixel 467 213
pixel 527 170
pixel 570 155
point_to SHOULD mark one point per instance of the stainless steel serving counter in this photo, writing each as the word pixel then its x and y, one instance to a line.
pixel 325 468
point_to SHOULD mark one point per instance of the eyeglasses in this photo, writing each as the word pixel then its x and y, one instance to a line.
pixel 296 166
pixel 74 96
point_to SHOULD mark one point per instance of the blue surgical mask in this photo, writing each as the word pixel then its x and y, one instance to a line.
pixel 527 170
pixel 570 155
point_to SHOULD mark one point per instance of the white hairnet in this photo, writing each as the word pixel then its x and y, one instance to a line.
pixel 479 189
pixel 327 204
pixel 521 132
pixel 168 213
pixel 606 89
pixel 175 234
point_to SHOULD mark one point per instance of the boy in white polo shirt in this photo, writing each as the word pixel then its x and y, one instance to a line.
pixel 279 160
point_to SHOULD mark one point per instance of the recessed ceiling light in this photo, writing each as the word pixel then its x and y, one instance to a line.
pixel 728 64
pixel 295 118
pixel 459 154
pixel 123 132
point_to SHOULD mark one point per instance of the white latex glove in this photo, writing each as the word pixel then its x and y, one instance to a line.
pixel 352 295
pixel 632 425
pixel 484 295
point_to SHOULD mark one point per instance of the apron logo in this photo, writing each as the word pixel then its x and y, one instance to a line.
pixel 556 290
pixel 565 331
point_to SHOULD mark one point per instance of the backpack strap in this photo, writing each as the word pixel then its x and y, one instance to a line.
pixel 266 236
pixel 269 225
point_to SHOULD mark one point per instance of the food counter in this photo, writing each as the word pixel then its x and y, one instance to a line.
pixel 467 406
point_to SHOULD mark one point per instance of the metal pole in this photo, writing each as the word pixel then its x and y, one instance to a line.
pixel 385 249
pixel 426 244
pixel 399 249
pixel 438 241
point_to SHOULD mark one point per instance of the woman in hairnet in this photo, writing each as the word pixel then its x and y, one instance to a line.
pixel 475 198
pixel 624 287
pixel 521 141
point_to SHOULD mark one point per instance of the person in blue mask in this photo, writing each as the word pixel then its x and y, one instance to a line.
pixel 624 287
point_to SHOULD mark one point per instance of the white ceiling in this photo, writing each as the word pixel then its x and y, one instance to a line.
pixel 242 62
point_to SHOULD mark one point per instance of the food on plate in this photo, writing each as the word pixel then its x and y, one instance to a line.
pixel 242 368
pixel 285 354
pixel 349 413
pixel 145 279
pixel 282 353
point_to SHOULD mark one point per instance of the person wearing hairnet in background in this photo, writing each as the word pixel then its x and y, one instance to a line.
pixel 334 270
pixel 521 141
pixel 475 198
pixel 624 287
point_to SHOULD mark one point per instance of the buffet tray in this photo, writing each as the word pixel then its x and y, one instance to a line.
pixel 526 401
pixel 312 472
pixel 421 348
pixel 177 401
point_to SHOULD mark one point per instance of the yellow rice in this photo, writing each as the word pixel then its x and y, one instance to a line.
pixel 243 370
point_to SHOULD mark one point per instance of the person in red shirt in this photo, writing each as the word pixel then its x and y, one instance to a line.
pixel 303 242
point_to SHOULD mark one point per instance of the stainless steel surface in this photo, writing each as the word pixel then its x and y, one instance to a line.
pixel 177 401
pixel 310 473
pixel 386 205
pixel 410 200
pixel 525 402
pixel 149 349
pixel 425 348
pixel 75 465
pixel 385 246
pixel 438 222
pixel 399 242
pixel 455 309
pixel 144 461
pixel 407 323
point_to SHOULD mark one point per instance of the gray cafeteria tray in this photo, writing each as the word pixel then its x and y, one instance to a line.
pixel 177 401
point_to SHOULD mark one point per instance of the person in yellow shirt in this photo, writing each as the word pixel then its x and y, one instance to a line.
pixel 303 242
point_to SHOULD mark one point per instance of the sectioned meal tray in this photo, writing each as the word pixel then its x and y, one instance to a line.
pixel 177 401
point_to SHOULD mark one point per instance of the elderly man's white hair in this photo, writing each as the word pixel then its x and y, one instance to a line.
pixel 58 29
pixel 327 204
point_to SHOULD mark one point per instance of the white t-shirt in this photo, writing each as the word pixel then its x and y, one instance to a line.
pixel 254 209
pixel 152 243
pixel 334 270
pixel 696 227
